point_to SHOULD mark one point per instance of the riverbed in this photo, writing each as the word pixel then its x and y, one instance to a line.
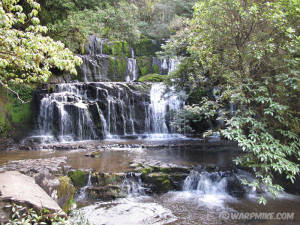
pixel 209 204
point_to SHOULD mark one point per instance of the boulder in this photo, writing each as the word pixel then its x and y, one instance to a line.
pixel 22 189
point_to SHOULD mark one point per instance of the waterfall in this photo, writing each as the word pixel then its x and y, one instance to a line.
pixel 132 185
pixel 132 70
pixel 93 111
pixel 82 193
pixel 163 104
pixel 173 64
pixel 212 189
pixel 165 66
pixel 205 183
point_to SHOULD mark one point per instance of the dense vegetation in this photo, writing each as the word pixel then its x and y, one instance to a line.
pixel 72 21
pixel 246 54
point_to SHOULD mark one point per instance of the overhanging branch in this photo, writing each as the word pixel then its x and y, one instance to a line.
pixel 14 92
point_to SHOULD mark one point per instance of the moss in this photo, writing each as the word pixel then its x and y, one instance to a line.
pixel 79 178
pixel 106 49
pixel 145 65
pixel 117 48
pixel 152 78
pixel 156 69
pixel 143 88
pixel 15 117
pixel 117 68
pixel 147 47
pixel 161 181
pixel 65 193
pixel 146 171
pixel 111 179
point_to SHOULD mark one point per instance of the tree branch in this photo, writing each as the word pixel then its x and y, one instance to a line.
pixel 16 93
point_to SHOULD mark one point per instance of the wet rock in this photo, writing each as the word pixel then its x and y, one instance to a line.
pixel 18 188
pixel 79 178
pixel 105 193
pixel 95 154
pixel 158 182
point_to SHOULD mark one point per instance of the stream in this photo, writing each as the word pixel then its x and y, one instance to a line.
pixel 203 198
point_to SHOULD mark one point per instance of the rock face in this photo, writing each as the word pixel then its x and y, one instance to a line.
pixel 91 111
pixel 19 188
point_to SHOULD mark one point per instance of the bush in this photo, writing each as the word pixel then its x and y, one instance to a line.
pixel 152 78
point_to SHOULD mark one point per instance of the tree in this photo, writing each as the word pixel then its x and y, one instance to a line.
pixel 26 54
pixel 248 51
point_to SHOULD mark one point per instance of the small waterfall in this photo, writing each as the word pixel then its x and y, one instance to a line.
pixel 82 193
pixel 163 105
pixel 205 183
pixel 65 114
pixel 211 189
pixel 132 185
pixel 165 66
pixel 132 70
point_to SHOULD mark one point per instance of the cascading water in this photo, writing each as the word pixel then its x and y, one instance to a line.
pixel 82 193
pixel 132 70
pixel 165 66
pixel 210 189
pixel 132 185
pixel 90 111
pixel 164 104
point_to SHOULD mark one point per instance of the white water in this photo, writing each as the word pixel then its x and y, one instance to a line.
pixel 207 189
pixel 82 193
pixel 73 112
pixel 132 70
pixel 132 185
pixel 163 104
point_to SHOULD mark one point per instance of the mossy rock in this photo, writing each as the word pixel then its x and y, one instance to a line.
pixel 103 179
pixel 116 48
pixel 145 171
pixel 144 65
pixel 160 182
pixel 79 178
pixel 152 78
pixel 147 47
pixel 117 68
pixel 65 193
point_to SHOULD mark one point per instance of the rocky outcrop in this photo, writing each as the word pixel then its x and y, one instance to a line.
pixel 22 189
pixel 49 174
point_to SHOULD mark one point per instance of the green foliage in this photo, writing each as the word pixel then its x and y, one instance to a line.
pixel 72 21
pixel 146 47
pixel 144 65
pixel 72 25
pixel 197 95
pixel 26 54
pixel 152 78
pixel 250 51
pixel 21 215
pixel 15 117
